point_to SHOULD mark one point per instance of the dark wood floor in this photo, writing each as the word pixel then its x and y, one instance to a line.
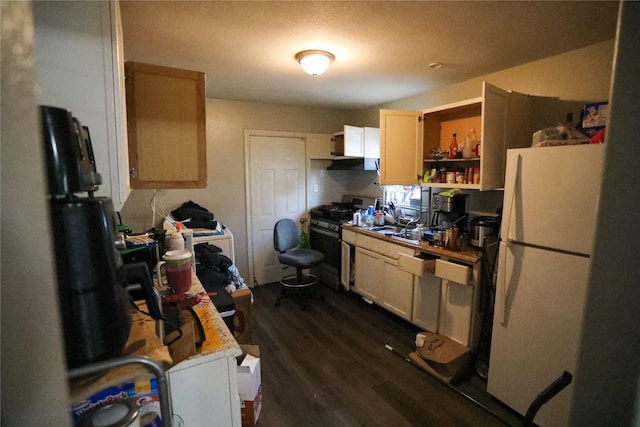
pixel 327 365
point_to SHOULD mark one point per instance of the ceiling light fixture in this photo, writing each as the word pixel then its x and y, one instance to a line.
pixel 314 62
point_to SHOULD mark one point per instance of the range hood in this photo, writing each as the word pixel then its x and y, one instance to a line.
pixel 355 163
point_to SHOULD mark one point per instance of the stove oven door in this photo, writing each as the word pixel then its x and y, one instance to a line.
pixel 327 242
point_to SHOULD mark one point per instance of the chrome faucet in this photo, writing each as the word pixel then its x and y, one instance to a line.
pixel 411 221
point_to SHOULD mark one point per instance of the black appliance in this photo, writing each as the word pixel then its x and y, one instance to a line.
pixel 325 235
pixel 91 277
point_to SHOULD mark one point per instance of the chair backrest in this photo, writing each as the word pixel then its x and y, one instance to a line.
pixel 285 235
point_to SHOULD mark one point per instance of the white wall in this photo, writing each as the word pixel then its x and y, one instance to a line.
pixel 608 384
pixel 34 384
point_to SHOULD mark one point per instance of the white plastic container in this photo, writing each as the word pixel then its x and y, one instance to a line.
pixel 357 219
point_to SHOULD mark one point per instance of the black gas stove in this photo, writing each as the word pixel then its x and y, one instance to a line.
pixel 324 232
pixel 335 214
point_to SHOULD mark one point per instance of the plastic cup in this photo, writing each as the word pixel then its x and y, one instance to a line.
pixel 177 265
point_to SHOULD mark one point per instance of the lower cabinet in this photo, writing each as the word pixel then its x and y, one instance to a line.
pixel 345 264
pixel 378 278
pixel 433 291
pixel 369 274
pixel 397 289
pixel 204 391
pixel 426 301
pixel 458 302
pixel 456 308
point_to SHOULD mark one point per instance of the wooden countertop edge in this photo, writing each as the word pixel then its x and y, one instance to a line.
pixel 470 257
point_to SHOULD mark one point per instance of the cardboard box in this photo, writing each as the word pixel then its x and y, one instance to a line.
pixel 595 115
pixel 242 321
pixel 595 118
pixel 442 356
pixel 249 384
pixel 250 409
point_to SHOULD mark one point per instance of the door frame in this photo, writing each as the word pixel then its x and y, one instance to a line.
pixel 248 133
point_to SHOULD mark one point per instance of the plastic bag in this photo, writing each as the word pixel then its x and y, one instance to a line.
pixel 558 135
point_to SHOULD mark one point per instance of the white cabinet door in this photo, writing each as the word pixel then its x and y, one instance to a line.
pixel 345 264
pixel 372 143
pixel 206 393
pixel 400 147
pixel 79 66
pixel 353 141
pixel 456 306
pixel 456 311
pixel 495 102
pixel 369 274
pixel 426 301
pixel 397 293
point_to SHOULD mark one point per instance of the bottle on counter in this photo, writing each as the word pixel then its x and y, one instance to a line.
pixel 176 240
pixel 469 143
pixel 453 147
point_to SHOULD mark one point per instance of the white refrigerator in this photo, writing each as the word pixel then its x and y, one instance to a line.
pixel 549 218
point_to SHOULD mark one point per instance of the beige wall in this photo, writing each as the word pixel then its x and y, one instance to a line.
pixel 225 192
pixel 581 75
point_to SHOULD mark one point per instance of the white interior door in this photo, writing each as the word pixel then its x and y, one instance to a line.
pixel 277 188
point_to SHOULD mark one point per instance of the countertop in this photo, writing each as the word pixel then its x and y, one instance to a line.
pixel 144 342
pixel 470 256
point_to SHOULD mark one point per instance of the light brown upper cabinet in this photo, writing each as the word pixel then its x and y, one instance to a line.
pixel 166 127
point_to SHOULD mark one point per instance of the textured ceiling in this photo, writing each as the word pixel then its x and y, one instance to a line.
pixel 382 48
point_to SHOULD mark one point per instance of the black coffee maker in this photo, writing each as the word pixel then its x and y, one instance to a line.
pixel 91 278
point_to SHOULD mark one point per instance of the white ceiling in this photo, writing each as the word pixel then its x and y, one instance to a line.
pixel 382 48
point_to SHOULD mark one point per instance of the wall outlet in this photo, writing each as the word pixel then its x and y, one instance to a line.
pixel 315 188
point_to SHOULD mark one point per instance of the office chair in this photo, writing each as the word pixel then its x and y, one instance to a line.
pixel 286 239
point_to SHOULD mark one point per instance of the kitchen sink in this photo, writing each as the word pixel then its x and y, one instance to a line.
pixel 385 229
pixel 394 231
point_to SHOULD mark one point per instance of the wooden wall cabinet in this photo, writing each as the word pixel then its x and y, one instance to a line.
pixel 166 127
pixel 500 119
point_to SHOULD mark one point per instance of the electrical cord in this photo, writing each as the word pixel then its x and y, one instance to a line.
pixel 173 322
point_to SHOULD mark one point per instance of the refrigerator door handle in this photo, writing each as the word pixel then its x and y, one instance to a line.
pixel 515 165
pixel 501 286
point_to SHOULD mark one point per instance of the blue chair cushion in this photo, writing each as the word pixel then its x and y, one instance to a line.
pixel 303 258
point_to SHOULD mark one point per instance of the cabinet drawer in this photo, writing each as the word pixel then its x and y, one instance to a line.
pixel 349 236
pixel 390 250
pixel 370 243
pixel 453 272
pixel 415 265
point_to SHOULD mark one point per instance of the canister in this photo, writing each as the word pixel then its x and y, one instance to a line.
pixel 357 219
pixel 451 177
